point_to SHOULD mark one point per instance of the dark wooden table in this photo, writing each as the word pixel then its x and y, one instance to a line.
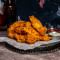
pixel 6 54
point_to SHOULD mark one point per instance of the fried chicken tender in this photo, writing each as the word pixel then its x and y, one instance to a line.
pixel 11 35
pixel 31 39
pixel 18 30
pixel 35 22
pixel 43 31
pixel 46 38
pixel 20 38
pixel 38 25
pixel 31 31
pixel 17 24
pixel 14 25
pixel 28 32
pixel 27 24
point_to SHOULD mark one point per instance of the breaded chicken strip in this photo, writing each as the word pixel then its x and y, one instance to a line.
pixel 38 25
pixel 11 32
pixel 20 38
pixel 43 31
pixel 27 24
pixel 18 30
pixel 46 38
pixel 31 31
pixel 17 24
pixel 30 39
pixel 11 35
pixel 15 27
pixel 35 22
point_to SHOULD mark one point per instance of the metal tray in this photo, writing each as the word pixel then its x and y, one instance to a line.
pixel 47 48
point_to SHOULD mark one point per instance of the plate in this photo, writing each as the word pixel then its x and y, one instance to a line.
pixel 38 47
pixel 48 48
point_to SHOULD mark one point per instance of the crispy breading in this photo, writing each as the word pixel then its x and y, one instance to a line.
pixel 35 22
pixel 38 25
pixel 20 38
pixel 18 30
pixel 27 24
pixel 43 31
pixel 46 38
pixel 17 24
pixel 29 32
pixel 11 35
pixel 31 39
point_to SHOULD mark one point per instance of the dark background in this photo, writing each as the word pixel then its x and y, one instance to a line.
pixel 26 8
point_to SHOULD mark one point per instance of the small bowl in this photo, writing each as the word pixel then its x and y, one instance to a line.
pixel 56 38
pixel 55 35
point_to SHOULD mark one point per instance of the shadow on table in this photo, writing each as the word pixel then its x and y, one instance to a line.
pixel 2 43
pixel 3 34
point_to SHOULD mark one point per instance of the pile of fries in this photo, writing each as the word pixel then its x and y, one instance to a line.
pixel 28 32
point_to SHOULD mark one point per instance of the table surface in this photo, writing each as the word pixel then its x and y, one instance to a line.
pixel 6 54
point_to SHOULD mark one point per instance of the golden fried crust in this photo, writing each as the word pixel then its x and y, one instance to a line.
pixel 18 30
pixel 20 38
pixel 35 22
pixel 17 24
pixel 38 25
pixel 31 31
pixel 46 38
pixel 43 31
pixel 27 24
pixel 11 35
pixel 30 39
pixel 24 32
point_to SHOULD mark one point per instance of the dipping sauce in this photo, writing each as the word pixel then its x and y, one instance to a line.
pixel 52 30
pixel 53 33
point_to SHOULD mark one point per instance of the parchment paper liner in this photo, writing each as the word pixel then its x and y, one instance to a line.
pixel 25 46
